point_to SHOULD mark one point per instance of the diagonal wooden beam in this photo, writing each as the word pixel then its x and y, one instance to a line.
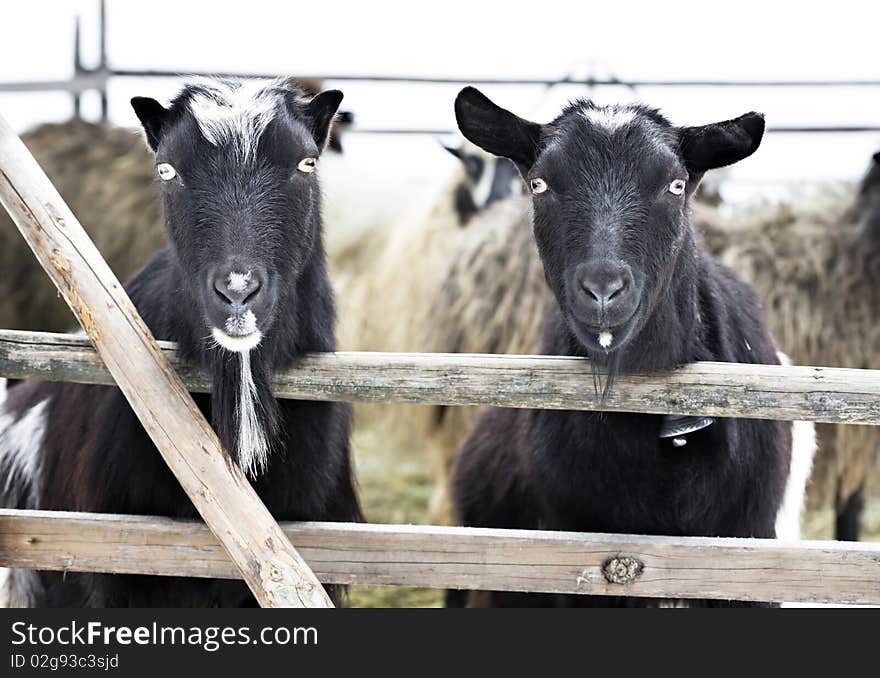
pixel 268 562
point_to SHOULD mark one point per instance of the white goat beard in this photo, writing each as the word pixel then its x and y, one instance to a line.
pixel 605 339
pixel 252 446
pixel 237 344
pixel 241 333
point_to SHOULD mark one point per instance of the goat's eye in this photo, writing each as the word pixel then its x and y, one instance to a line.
pixel 677 187
pixel 307 165
pixel 166 171
pixel 538 185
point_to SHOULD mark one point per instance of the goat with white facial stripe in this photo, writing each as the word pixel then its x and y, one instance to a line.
pixel 635 292
pixel 487 179
pixel 243 290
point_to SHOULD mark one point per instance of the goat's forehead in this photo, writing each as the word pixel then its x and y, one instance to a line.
pixel 615 133
pixel 609 118
pixel 235 114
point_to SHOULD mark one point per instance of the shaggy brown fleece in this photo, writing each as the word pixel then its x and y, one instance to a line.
pixel 106 175
pixel 491 298
pixel 816 265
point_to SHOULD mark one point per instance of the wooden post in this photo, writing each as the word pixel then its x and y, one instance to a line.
pixel 268 562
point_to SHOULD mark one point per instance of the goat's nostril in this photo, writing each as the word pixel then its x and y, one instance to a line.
pixel 588 285
pixel 615 289
pixel 253 293
pixel 603 292
pixel 221 293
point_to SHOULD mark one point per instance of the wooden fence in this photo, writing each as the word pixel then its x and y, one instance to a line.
pixel 457 557
pixel 820 394
pixel 517 560
pixel 241 539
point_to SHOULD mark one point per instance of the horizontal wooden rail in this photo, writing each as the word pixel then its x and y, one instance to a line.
pixel 456 557
pixel 718 389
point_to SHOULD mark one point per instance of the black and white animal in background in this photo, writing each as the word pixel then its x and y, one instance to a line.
pixel 243 290
pixel 867 206
pixel 487 179
pixel 635 293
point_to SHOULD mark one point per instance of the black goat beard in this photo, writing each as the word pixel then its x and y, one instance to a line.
pixel 603 381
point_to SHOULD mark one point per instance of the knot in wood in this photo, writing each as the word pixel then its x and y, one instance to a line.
pixel 621 570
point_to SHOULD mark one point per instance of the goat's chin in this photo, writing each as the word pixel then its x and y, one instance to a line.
pixel 601 343
pixel 237 343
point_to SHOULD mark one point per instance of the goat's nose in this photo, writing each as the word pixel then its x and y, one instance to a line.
pixel 604 284
pixel 237 288
pixel 603 291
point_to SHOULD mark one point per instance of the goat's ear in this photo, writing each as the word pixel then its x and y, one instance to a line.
pixel 497 130
pixel 321 111
pixel 721 143
pixel 344 120
pixel 452 150
pixel 473 163
pixel 153 116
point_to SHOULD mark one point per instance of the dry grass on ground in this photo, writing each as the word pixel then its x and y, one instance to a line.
pixel 395 487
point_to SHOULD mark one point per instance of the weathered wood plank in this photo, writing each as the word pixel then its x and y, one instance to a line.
pixel 449 557
pixel 719 389
pixel 220 492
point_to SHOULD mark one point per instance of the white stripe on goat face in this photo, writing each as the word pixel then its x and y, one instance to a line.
pixel 609 117
pixel 235 113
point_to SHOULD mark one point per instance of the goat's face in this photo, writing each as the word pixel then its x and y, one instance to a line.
pixel 486 180
pixel 611 187
pixel 240 195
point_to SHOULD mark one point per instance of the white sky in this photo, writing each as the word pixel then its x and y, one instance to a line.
pixel 686 40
